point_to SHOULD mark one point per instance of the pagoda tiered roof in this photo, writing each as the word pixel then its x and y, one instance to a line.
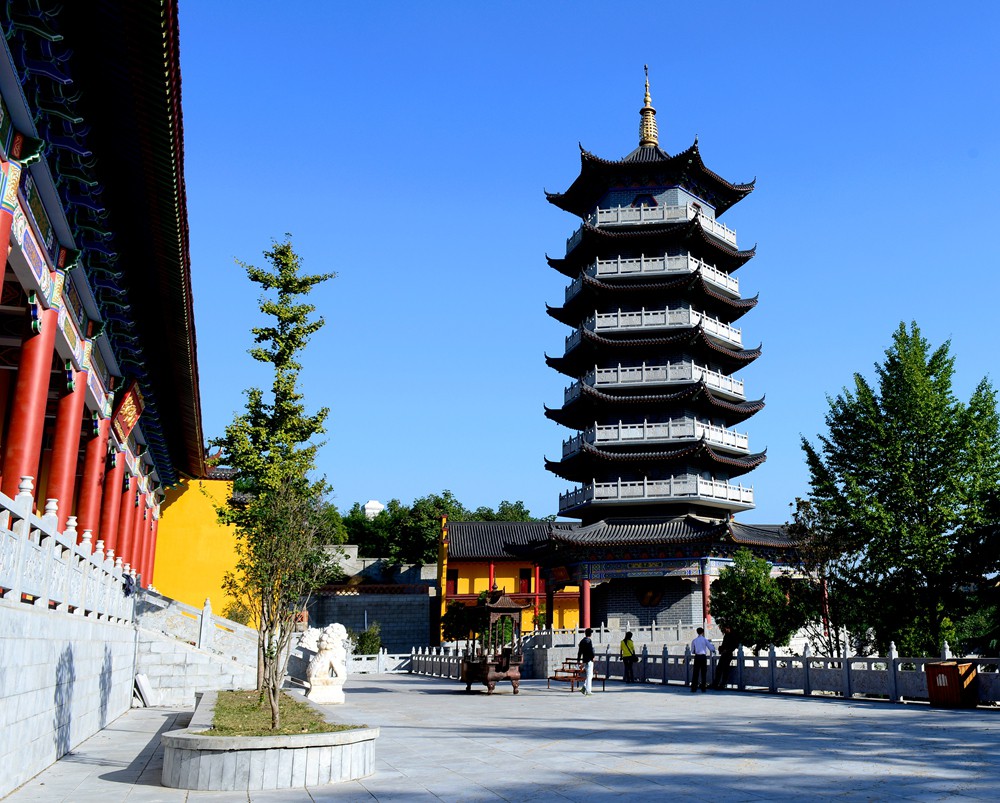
pixel 691 286
pixel 590 460
pixel 593 346
pixel 599 241
pixel 537 540
pixel 591 403
pixel 647 166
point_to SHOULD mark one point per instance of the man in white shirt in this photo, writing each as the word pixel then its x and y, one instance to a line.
pixel 700 648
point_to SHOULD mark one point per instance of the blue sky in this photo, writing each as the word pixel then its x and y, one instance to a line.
pixel 406 147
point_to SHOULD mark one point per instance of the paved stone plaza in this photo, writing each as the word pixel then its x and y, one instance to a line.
pixel 629 743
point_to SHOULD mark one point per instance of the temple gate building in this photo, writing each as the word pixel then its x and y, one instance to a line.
pixel 654 404
pixel 99 402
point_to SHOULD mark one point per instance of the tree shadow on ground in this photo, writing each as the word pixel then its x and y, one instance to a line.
pixel 63 702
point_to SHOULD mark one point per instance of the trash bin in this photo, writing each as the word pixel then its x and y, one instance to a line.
pixel 952 684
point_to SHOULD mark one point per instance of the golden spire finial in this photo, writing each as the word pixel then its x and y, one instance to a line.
pixel 648 135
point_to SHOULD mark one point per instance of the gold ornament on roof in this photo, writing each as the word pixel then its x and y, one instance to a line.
pixel 648 135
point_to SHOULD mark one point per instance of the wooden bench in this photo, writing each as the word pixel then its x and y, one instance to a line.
pixel 574 675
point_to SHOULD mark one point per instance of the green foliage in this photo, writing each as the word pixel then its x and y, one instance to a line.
pixel 237 611
pixel 763 610
pixel 279 513
pixel 410 534
pixel 368 642
pixel 462 621
pixel 903 499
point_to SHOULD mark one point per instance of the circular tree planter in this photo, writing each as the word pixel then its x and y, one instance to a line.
pixel 237 763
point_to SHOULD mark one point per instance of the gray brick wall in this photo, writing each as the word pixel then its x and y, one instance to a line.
pixel 404 619
pixel 617 602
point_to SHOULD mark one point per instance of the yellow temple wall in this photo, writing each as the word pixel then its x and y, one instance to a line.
pixel 474 578
pixel 194 551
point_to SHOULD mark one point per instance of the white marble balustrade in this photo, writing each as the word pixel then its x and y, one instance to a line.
pixel 40 564
pixel 684 487
pixel 651 267
pixel 655 375
pixel 673 430
pixel 638 215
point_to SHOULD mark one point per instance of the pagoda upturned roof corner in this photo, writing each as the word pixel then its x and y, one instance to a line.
pixel 597 175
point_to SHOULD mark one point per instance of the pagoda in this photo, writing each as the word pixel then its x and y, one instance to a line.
pixel 654 302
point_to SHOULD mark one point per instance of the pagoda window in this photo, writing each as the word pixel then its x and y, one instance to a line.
pixel 644 199
pixel 524 581
pixel 451 583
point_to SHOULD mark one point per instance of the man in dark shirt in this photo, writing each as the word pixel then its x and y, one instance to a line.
pixel 585 657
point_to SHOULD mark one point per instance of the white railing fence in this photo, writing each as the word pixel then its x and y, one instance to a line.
pixel 890 677
pixel 48 569
pixel 380 663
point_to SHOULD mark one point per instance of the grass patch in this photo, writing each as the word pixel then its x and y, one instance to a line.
pixel 241 713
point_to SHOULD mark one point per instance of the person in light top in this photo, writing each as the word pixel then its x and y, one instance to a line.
pixel 700 649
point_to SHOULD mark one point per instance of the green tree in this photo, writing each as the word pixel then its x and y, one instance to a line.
pixel 762 609
pixel 904 483
pixel 279 513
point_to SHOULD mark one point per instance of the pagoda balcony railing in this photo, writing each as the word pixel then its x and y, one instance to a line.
pixel 676 429
pixel 683 488
pixel 633 215
pixel 652 375
pixel 657 266
pixel 644 319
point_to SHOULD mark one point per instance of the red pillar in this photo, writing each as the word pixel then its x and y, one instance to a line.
pixel 95 460
pixel 153 527
pixel 138 539
pixel 585 604
pixel 537 584
pixel 66 447
pixel 706 599
pixel 24 438
pixel 126 519
pixel 493 575
pixel 111 499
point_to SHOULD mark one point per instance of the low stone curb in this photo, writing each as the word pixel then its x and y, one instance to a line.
pixel 237 763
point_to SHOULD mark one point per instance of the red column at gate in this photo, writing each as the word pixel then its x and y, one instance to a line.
pixel 141 546
pixel 493 576
pixel 585 604
pixel 95 459
pixel 111 502
pixel 153 527
pixel 706 599
pixel 126 519
pixel 27 420
pixel 66 447
pixel 138 537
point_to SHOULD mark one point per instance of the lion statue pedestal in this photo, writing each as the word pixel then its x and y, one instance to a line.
pixel 327 670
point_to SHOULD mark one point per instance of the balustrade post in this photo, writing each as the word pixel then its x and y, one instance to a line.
pixel 205 626
pixel 945 651
pixel 891 673
pixel 806 681
pixel 772 658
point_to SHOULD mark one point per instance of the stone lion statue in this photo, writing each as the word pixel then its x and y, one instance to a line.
pixel 327 671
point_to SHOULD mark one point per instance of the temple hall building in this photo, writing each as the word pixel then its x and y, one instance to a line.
pixel 99 399
pixel 656 454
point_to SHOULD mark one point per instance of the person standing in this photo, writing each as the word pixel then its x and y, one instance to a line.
pixel 700 648
pixel 730 643
pixel 629 657
pixel 585 658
